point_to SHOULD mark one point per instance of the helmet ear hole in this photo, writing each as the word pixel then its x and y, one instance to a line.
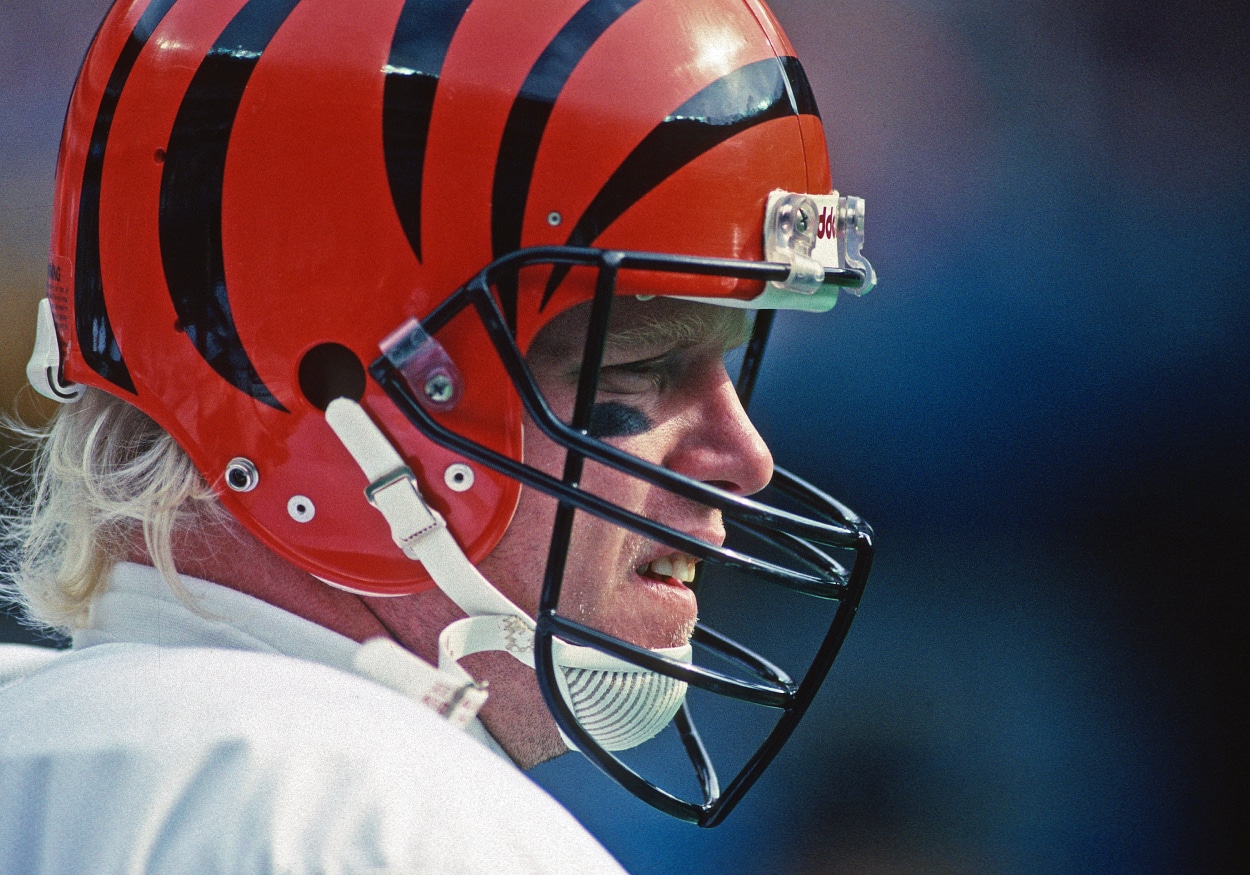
pixel 329 371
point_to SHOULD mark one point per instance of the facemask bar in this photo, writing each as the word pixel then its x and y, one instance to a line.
pixel 842 530
pixel 798 536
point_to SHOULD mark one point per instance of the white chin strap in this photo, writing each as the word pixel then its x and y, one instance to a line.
pixel 619 704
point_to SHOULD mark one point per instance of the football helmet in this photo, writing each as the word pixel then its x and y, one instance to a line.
pixel 314 240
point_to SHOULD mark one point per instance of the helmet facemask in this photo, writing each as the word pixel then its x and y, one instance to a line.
pixel 819 549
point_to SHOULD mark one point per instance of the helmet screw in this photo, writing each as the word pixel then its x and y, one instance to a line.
pixel 554 219
pixel 241 474
pixel 800 221
pixel 458 477
pixel 439 387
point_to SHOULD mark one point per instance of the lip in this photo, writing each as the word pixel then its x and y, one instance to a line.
pixel 663 581
pixel 715 537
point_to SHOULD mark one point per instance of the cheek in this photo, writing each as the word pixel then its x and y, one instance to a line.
pixel 518 562
pixel 540 451
pixel 600 552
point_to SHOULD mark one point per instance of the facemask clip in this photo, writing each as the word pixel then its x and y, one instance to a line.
pixel 44 368
pixel 812 233
pixel 427 368
pixel 850 236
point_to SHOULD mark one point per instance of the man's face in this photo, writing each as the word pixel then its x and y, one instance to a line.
pixel 664 396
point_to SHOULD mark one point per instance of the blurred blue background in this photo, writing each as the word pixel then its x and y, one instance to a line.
pixel 1044 410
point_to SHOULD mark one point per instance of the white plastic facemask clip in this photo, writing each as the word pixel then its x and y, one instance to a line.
pixel 44 368
pixel 850 237
pixel 790 238
pixel 814 232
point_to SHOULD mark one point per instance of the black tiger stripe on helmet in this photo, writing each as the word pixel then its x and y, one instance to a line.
pixel 527 122
pixel 192 187
pixel 420 44
pixel 92 325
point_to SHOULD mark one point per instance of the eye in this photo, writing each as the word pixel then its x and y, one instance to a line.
pixel 638 377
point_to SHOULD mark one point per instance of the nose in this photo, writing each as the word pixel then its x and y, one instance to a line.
pixel 719 444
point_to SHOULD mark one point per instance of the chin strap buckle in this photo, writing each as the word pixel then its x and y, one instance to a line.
pixel 417 529
pixel 396 496
pixel 392 486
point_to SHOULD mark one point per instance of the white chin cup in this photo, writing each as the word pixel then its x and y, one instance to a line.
pixel 619 704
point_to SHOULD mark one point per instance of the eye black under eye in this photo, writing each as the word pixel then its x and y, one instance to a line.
pixel 611 419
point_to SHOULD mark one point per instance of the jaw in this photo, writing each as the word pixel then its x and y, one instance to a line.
pixel 515 714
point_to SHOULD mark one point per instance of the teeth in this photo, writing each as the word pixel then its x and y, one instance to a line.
pixel 678 565
pixel 683 569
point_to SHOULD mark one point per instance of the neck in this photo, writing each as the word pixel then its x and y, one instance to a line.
pixel 227 554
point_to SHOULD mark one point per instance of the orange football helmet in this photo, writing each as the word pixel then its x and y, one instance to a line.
pixel 264 206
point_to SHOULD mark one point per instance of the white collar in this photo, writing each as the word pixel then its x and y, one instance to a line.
pixel 139 606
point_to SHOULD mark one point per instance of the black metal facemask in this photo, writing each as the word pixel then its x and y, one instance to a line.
pixel 821 549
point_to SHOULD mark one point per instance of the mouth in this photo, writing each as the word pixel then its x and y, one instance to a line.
pixel 675 569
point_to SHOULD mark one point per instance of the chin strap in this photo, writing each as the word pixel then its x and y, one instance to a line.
pixel 456 697
pixel 620 704
pixel 417 529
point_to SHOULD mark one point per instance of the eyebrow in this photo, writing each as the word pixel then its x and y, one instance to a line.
pixel 728 327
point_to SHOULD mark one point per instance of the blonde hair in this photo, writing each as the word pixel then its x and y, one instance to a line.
pixel 101 473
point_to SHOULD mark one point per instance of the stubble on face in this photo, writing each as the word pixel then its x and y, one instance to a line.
pixel 639 409
pixel 602 587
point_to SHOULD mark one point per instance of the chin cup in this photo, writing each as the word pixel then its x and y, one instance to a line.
pixel 619 704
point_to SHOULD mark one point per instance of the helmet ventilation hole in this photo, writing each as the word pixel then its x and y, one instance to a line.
pixel 329 371
pixel 301 508
pixel 458 477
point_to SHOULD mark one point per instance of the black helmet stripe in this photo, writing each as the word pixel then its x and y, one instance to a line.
pixel 527 121
pixel 801 95
pixel 91 319
pixel 192 191
pixel 424 32
pixel 759 92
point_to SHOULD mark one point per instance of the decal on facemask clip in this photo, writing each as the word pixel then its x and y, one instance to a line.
pixel 812 233
pixel 431 375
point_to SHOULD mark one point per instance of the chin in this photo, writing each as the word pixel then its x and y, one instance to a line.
pixel 655 613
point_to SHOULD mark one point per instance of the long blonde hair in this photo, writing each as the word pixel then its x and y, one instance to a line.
pixel 101 473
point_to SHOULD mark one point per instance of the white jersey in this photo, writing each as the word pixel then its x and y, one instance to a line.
pixel 239 740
